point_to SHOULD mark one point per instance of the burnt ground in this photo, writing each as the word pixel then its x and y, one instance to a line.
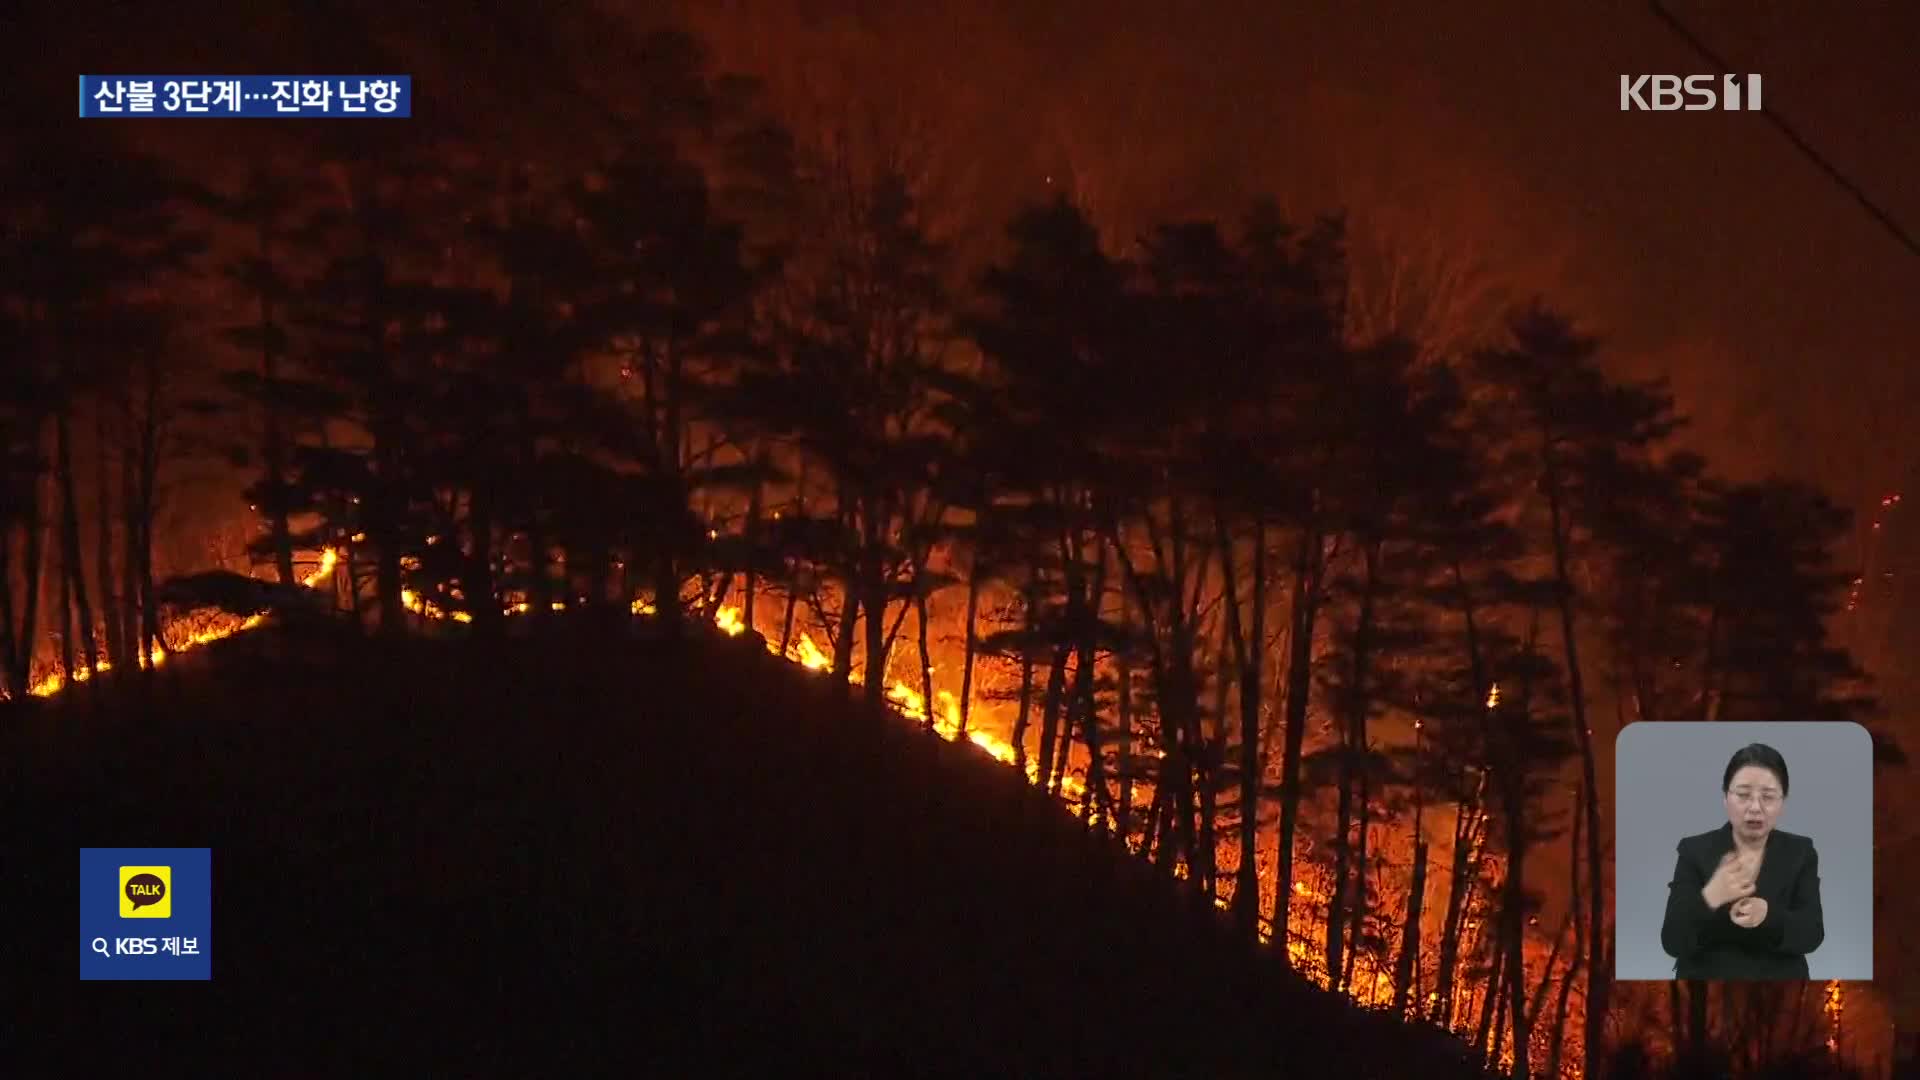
pixel 556 857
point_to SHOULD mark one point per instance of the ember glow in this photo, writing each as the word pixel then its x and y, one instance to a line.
pixel 1882 515
pixel 805 652
pixel 199 632
pixel 1371 981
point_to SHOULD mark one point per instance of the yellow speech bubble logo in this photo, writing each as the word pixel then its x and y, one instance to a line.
pixel 146 892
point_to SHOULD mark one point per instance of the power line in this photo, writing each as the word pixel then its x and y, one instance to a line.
pixel 1885 219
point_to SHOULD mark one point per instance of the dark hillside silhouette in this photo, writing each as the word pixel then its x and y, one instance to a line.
pixel 485 856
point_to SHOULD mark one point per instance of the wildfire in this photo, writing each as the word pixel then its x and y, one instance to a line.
pixel 216 630
pixel 808 655
pixel 913 705
pixel 1888 503
pixel 1369 983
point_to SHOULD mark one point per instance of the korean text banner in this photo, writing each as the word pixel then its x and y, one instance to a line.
pixel 250 96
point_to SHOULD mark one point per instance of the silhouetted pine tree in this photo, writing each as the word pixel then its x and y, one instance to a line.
pixel 1771 590
pixel 1053 329
pixel 850 389
pixel 1573 431
pixel 670 294
pixel 92 232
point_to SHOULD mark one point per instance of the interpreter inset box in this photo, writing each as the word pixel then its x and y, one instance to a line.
pixel 1743 851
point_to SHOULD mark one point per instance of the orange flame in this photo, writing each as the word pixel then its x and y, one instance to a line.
pixel 808 654
pixel 219 629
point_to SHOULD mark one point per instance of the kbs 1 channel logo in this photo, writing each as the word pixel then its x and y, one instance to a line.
pixel 146 913
pixel 1689 93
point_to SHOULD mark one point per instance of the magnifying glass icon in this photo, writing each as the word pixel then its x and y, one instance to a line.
pixel 100 946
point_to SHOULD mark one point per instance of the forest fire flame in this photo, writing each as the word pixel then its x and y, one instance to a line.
pixel 213 629
pixel 1303 949
pixel 804 651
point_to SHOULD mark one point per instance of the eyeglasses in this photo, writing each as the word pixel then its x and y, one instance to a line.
pixel 1768 798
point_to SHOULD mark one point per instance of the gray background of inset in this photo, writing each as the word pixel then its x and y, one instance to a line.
pixel 1667 785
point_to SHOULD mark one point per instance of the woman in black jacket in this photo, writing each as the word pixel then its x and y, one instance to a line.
pixel 1745 898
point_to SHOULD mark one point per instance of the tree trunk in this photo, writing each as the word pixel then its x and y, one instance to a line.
pixel 874 605
pixel 539 584
pixel 972 646
pixel 110 599
pixel 848 627
pixel 150 635
pixel 1495 994
pixel 1558 1037
pixel 39 525
pixel 873 597
pixel 276 451
pixel 754 505
pixel 1515 937
pixel 926 658
pixel 481 590
pixel 1537 1001
pixel 20 656
pixel 1249 649
pixel 667 576
pixel 1597 981
pixel 72 562
pixel 1212 752
pixel 1467 820
pixel 1466 823
pixel 1029 642
pixel 130 543
pixel 1407 965
pixel 793 582
pixel 1361 896
pixel 1507 982
pixel 1123 734
pixel 387 584
pixel 786 617
pixel 66 614
pixel 348 563
pixel 1306 587
pixel 1050 714
pixel 1089 722
pixel 1186 765
pixel 9 653
pixel 1353 747
pixel 1058 785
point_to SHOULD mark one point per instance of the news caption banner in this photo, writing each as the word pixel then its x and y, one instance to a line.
pixel 387 97
pixel 146 914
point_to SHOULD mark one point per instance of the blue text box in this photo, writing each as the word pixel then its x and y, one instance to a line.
pixel 123 933
pixel 388 97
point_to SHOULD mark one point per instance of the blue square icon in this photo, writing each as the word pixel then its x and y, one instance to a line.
pixel 146 913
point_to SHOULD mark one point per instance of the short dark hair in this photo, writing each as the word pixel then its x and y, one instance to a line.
pixel 1759 754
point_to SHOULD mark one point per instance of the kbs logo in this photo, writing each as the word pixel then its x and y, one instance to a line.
pixel 1692 93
